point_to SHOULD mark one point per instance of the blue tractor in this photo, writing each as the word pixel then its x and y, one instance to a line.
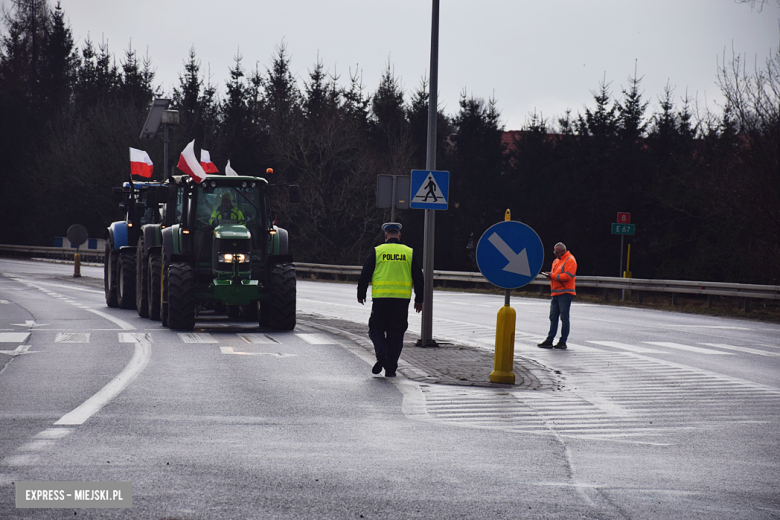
pixel 140 205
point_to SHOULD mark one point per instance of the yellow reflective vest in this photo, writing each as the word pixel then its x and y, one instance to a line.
pixel 393 272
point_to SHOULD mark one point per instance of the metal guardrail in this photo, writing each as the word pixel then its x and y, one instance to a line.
pixel 738 290
pixel 771 292
pixel 63 253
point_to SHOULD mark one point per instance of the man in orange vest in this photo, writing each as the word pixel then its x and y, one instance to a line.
pixel 393 271
pixel 564 271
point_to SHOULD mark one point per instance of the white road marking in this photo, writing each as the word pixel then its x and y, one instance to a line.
pixel 135 337
pixel 744 349
pixel 689 348
pixel 623 346
pixel 21 349
pixel 13 337
pixel 197 337
pixel 122 324
pixel 54 433
pixel 229 350
pixel 141 356
pixel 72 337
pixel 317 339
pixel 258 339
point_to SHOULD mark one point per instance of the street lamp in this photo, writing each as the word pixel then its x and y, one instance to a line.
pixel 160 115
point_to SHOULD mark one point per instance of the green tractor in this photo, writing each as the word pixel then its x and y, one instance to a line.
pixel 218 251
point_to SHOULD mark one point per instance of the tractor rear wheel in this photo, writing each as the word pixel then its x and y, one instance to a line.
pixel 164 285
pixel 141 281
pixel 280 309
pixel 126 288
pixel 155 286
pixel 181 296
pixel 109 275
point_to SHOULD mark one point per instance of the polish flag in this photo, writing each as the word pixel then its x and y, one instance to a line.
pixel 189 164
pixel 140 163
pixel 229 170
pixel 205 162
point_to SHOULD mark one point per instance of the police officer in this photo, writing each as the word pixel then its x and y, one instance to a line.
pixel 392 270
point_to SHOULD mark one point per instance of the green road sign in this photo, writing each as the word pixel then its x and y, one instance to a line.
pixel 623 229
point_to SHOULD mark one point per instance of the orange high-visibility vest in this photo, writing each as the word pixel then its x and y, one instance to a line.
pixel 562 275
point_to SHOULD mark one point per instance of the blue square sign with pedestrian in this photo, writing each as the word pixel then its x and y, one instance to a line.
pixel 429 189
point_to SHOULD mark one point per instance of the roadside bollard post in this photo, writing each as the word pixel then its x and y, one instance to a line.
pixel 77 265
pixel 505 346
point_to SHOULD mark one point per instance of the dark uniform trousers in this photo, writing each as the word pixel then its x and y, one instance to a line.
pixel 386 328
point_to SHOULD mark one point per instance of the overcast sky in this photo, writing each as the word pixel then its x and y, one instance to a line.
pixel 543 55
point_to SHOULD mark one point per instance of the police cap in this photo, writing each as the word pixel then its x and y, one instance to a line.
pixel 391 226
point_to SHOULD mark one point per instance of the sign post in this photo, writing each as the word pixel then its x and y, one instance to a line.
pixel 510 255
pixel 623 227
pixel 77 235
pixel 426 329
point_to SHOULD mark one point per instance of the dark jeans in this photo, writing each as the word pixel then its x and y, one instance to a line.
pixel 386 328
pixel 559 308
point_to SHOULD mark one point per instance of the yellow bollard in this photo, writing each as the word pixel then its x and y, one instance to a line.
pixel 505 347
pixel 76 265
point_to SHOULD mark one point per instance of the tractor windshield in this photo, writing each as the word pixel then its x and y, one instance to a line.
pixel 230 204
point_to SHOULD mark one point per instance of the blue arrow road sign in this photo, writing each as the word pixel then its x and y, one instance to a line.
pixel 510 254
pixel 429 189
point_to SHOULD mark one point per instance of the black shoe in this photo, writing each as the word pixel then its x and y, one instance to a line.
pixel 389 374
pixel 545 344
pixel 561 345
pixel 377 367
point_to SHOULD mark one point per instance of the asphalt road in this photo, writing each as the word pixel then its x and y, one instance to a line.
pixel 656 414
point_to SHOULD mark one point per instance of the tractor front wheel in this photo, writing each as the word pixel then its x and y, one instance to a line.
pixel 126 289
pixel 109 275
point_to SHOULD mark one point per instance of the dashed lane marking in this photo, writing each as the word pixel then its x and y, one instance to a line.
pixel 229 350
pixel 197 337
pixel 135 337
pixel 14 337
pixel 317 339
pixel 258 339
pixel 72 337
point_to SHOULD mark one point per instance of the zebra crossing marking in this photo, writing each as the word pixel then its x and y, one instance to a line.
pixel 689 348
pixel 623 346
pixel 744 349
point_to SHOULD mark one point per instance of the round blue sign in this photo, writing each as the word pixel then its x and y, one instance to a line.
pixel 510 254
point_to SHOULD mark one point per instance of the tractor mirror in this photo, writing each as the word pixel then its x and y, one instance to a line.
pixel 294 191
pixel 117 195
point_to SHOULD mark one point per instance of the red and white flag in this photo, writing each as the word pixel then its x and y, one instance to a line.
pixel 205 162
pixel 189 164
pixel 140 163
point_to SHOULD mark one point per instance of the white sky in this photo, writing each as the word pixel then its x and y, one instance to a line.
pixel 543 55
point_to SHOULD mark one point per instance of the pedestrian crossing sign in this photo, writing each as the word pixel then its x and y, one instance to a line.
pixel 429 189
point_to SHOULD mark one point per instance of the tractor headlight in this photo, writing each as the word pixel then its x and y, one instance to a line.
pixel 229 258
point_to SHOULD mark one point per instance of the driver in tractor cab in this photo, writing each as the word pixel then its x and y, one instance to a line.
pixel 227 211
